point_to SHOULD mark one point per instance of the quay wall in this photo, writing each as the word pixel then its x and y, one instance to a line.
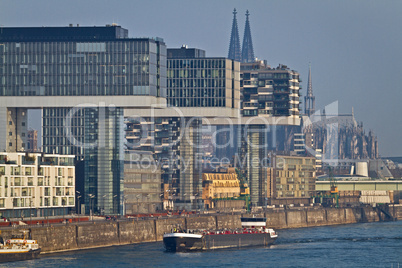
pixel 101 234
pixel 50 239
pixel 137 231
pixel 96 234
pixel 396 211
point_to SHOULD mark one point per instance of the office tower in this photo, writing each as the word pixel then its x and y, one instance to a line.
pixel 247 53
pixel 210 86
pixel 309 99
pixel 142 183
pixel 270 110
pixel 83 78
pixel 202 82
pixel 198 87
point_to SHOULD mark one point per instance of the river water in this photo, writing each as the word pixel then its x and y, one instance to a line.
pixel 356 245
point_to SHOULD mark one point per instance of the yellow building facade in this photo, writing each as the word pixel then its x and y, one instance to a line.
pixel 219 185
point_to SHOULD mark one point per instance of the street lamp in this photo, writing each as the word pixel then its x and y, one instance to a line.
pixel 118 205
pixel 91 196
pixel 124 205
pixel 161 196
pixel 78 197
pixel 103 204
pixel 79 208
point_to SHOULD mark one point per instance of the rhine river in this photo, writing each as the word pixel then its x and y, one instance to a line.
pixel 357 245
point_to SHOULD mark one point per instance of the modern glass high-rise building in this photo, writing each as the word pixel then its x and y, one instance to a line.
pixel 197 81
pixel 82 78
pixel 80 61
pixel 198 87
pixel 270 101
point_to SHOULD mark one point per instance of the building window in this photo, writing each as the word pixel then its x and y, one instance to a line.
pixel 10 123
pixel 23 124
pixel 10 144
pixel 23 134
pixel 10 133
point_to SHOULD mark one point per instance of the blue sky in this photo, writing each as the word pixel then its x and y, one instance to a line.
pixel 354 46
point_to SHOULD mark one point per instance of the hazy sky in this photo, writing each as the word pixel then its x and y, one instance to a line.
pixel 354 46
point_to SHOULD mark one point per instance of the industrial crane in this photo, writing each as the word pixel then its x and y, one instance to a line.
pixel 333 186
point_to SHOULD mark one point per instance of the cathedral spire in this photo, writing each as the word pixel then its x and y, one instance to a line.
pixel 247 53
pixel 310 85
pixel 234 46
pixel 309 99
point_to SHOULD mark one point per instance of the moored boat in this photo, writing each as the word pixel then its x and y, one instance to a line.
pixel 19 247
pixel 252 233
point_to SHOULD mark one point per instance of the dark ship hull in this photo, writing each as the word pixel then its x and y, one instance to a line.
pixel 237 240
pixel 182 242
pixel 19 256
pixel 186 243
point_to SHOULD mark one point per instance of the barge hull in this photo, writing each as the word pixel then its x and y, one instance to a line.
pixel 218 241
pixel 182 244
pixel 237 240
pixel 19 256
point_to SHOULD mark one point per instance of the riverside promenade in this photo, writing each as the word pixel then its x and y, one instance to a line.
pixel 101 233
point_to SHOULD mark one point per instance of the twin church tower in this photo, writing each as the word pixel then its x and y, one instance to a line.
pixel 246 54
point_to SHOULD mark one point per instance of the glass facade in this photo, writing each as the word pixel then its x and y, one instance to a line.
pixel 84 61
pixel 94 135
pixel 103 158
pixel 121 67
pixel 255 137
pixel 63 131
pixel 190 183
pixel 202 82
pixel 193 81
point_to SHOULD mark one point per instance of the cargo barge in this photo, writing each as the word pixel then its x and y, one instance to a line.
pixel 252 234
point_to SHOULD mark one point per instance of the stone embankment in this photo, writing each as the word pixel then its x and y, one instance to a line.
pixel 102 234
